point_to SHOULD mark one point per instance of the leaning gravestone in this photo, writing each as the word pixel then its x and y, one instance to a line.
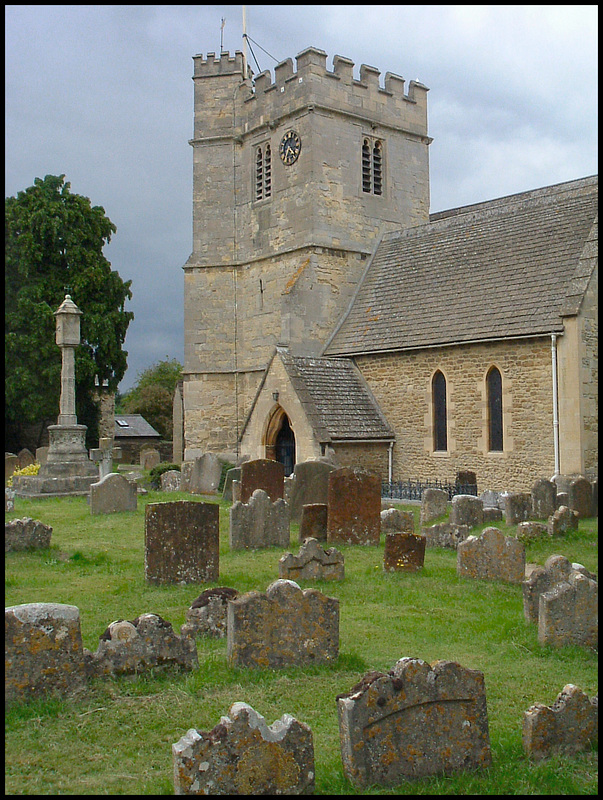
pixel 243 755
pixel 259 523
pixel 137 646
pixel 313 523
pixel 570 726
pixel 112 494
pixel 518 507
pixel 283 627
pixel 43 651
pixel 262 473
pixel 568 613
pixel 232 475
pixel 312 563
pixel 415 721
pixel 26 534
pixel 557 569
pixel 404 552
pixel 207 615
pixel 563 520
pixel 354 507
pixel 182 542
pixel 309 484
pixel 492 556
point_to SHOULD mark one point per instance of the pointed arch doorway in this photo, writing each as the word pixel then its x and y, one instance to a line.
pixel 279 441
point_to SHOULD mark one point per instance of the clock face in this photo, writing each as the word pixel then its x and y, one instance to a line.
pixel 290 147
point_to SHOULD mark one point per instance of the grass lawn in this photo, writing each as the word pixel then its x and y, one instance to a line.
pixel 117 738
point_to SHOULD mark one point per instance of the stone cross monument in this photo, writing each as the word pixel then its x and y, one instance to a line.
pixel 68 470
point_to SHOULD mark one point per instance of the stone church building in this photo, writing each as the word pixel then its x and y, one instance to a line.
pixel 328 313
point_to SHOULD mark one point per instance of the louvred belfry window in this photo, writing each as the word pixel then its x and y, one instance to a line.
pixel 263 172
pixel 372 166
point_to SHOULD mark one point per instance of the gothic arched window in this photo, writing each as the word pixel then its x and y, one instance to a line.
pixel 495 410
pixel 440 421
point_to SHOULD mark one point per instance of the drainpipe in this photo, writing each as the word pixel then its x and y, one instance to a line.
pixel 390 463
pixel 555 404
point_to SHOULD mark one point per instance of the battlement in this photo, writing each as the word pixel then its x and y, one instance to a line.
pixel 311 83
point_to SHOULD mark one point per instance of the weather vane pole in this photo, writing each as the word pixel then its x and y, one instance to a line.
pixel 223 23
pixel 244 42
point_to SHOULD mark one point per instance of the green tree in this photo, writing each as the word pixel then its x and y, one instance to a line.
pixel 153 394
pixel 54 243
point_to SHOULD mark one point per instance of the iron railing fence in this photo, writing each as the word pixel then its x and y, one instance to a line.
pixel 413 490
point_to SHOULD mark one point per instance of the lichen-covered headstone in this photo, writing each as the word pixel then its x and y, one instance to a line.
pixel 581 497
pixel 446 534
pixel 259 523
pixel 207 615
pixel 434 503
pixel 243 755
pixel 394 519
pixel 404 552
pixel 467 509
pixel 182 542
pixel 556 569
pixel 354 501
pixel 569 726
pixel 568 613
pixel 312 563
pixel 43 651
pixel 492 556
pixel 313 524
pixel 544 498
pixel 170 480
pixel 26 534
pixel 133 647
pixel 518 507
pixel 415 721
pixel 563 520
pixel 282 627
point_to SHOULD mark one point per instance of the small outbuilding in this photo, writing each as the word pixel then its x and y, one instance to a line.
pixel 132 433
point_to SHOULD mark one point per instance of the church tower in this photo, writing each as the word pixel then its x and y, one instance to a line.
pixel 295 180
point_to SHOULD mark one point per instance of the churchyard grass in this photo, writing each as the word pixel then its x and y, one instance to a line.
pixel 117 738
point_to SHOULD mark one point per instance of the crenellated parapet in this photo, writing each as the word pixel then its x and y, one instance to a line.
pixel 267 98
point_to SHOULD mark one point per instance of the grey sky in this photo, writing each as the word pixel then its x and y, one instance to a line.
pixel 104 95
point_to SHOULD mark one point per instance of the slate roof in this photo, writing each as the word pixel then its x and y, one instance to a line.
pixel 136 427
pixel 336 398
pixel 504 268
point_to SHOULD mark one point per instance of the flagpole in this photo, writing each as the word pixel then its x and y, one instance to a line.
pixel 244 43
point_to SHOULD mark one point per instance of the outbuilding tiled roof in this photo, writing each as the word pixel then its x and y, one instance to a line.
pixel 510 267
pixel 133 426
pixel 336 398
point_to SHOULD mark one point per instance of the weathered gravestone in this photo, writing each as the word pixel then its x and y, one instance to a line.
pixel 112 494
pixel 528 531
pixel 518 507
pixel 262 473
pixel 11 463
pixel 43 651
pixel 149 458
pixel 207 615
pixel 205 474
pixel 465 479
pixel 570 726
pixel 26 534
pixel 243 755
pixel 445 534
pixel 568 613
pixel 313 523
pixel 42 454
pixel 404 552
pixel 309 484
pixel 394 519
pixel 170 480
pixel 259 523
pixel 557 569
pixel 415 721
pixel 26 458
pixel 312 563
pixel 492 556
pixel 137 646
pixel 544 498
pixel 282 627
pixel 232 475
pixel 182 542
pixel 354 507
pixel 466 509
pixel 563 520
pixel 434 503
pixel 581 497
pixel 9 499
